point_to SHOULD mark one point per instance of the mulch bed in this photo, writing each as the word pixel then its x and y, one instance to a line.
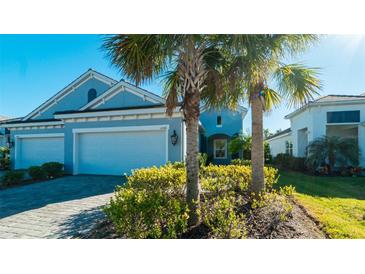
pixel 264 224
pixel 26 182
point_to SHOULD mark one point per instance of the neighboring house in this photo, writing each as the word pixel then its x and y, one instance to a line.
pixel 97 125
pixel 331 115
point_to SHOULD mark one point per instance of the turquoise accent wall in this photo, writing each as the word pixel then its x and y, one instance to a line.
pixel 75 99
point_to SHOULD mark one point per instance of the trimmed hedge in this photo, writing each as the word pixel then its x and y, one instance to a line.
pixel 13 177
pixel 37 173
pixel 152 203
pixel 53 169
pixel 287 162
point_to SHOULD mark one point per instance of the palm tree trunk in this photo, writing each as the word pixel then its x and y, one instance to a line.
pixel 192 71
pixel 192 170
pixel 257 151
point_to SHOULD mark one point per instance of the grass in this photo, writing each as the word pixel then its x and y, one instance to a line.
pixel 337 202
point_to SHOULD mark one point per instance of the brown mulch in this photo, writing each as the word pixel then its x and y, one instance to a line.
pixel 264 224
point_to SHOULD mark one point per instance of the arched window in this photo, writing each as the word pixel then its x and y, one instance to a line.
pixel 91 95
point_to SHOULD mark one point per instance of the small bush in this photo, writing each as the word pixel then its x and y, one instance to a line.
pixel 151 205
pixel 37 173
pixel 13 178
pixel 287 162
pixel 4 158
pixel 53 169
pixel 241 162
pixel 203 159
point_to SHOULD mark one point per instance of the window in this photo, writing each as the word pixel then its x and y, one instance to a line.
pixel 219 121
pixel 343 116
pixel 91 95
pixel 289 148
pixel 220 148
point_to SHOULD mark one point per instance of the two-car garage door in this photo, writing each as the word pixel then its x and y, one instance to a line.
pixel 115 151
pixel 36 149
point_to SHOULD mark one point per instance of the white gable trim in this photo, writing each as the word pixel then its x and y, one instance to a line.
pixel 122 87
pixel 90 74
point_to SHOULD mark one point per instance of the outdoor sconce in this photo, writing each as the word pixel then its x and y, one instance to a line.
pixel 9 142
pixel 174 138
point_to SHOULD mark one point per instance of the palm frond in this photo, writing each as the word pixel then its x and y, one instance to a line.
pixel 297 83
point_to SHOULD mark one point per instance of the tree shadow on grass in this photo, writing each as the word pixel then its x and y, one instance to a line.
pixel 327 187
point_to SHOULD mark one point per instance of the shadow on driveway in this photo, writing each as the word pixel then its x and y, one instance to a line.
pixel 24 198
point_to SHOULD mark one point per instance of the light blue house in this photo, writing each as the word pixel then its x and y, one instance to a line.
pixel 97 125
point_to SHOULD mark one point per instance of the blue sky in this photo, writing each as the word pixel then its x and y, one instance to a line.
pixel 35 67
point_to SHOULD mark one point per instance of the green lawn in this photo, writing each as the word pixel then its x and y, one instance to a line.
pixel 337 202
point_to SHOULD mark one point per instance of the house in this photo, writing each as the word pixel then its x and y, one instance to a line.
pixel 97 125
pixel 331 115
pixel 3 131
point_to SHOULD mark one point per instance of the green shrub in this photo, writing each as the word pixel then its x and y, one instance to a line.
pixel 4 158
pixel 37 173
pixel 152 203
pixel 13 177
pixel 53 169
pixel 241 162
pixel 285 161
pixel 203 159
pixel 220 215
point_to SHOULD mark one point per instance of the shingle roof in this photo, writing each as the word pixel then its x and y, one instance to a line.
pixel 336 98
pixel 285 131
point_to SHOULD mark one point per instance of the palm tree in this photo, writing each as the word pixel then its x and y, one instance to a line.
pixel 333 150
pixel 258 61
pixel 192 67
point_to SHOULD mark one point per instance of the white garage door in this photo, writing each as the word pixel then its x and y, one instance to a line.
pixel 115 153
pixel 34 151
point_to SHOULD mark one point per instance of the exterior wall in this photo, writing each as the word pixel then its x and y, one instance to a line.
pixel 76 99
pixel 315 120
pixel 278 144
pixel 175 152
pixel 231 122
pixel 29 131
pixel 125 99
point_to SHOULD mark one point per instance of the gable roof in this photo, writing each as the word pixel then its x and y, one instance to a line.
pixel 331 99
pixel 89 74
pixel 120 87
pixel 280 133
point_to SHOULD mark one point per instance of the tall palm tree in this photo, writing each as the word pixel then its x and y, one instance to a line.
pixel 192 66
pixel 258 61
pixel 333 150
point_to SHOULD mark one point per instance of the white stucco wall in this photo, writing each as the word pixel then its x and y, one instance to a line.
pixel 278 144
pixel 314 119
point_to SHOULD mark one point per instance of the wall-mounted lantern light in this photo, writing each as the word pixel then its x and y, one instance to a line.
pixel 174 138
pixel 9 142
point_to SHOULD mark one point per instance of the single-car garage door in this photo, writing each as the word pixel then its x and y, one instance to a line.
pixel 36 149
pixel 114 151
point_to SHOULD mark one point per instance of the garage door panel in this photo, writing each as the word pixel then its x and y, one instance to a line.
pixel 116 153
pixel 37 151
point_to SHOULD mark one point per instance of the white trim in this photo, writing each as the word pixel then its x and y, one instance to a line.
pixel 225 148
pixel 318 104
pixel 90 74
pixel 77 131
pixel 34 124
pixel 115 112
pixel 41 135
pixel 120 129
pixel 122 87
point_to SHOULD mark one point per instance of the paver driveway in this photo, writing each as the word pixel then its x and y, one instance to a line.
pixel 60 208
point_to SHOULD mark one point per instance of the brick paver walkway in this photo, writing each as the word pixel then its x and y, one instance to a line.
pixel 60 208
